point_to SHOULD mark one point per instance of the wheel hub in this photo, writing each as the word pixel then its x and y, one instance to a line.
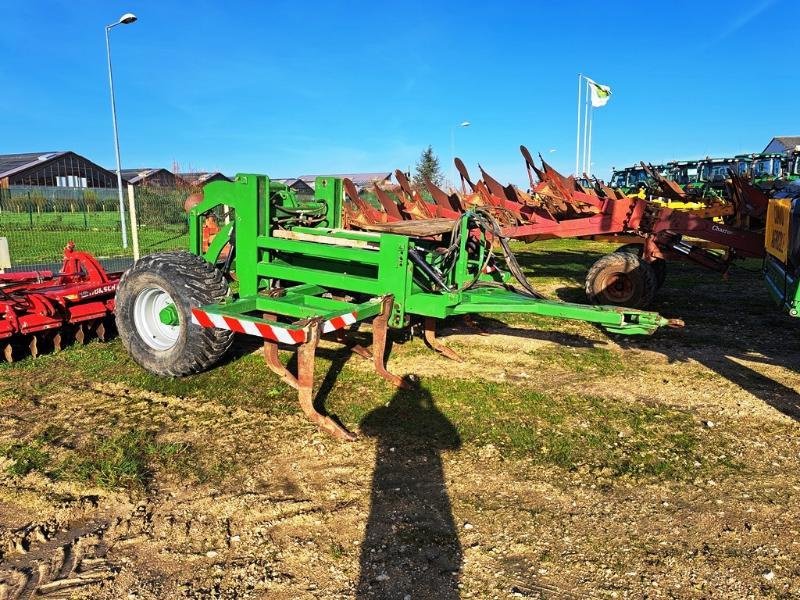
pixel 156 318
pixel 619 287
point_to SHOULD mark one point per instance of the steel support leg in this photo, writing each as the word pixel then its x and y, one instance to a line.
pixel 380 333
pixel 305 386
pixel 430 338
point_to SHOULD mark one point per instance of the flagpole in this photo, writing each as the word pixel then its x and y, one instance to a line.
pixel 578 128
pixel 589 152
pixel 585 128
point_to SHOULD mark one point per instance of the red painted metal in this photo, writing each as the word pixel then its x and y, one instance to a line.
pixel 42 301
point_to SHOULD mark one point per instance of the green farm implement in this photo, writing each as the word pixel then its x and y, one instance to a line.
pixel 301 276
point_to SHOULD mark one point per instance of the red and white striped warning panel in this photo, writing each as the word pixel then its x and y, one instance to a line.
pixel 270 332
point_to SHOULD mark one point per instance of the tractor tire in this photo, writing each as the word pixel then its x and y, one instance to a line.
pixel 621 279
pixel 155 282
pixel 659 265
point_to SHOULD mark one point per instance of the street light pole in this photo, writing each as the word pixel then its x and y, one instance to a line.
pixel 453 149
pixel 125 19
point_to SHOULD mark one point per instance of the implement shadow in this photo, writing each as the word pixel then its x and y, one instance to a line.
pixel 411 546
pixel 728 324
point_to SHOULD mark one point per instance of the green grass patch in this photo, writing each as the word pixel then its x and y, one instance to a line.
pixel 595 360
pixel 569 432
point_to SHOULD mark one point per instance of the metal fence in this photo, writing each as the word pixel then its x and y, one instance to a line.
pixel 39 221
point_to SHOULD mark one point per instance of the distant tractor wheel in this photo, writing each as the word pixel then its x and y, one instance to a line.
pixel 659 265
pixel 621 279
pixel 155 298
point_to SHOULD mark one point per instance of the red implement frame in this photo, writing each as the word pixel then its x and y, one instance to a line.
pixel 37 306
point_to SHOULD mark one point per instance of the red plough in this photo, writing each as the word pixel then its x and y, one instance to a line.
pixel 42 310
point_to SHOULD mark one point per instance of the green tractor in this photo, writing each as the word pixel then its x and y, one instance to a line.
pixel 712 173
pixel 682 172
pixel 764 169
pixel 632 180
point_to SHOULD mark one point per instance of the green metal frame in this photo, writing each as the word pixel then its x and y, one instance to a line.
pixel 301 245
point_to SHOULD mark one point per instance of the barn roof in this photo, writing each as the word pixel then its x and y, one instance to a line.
pixel 789 142
pixel 13 163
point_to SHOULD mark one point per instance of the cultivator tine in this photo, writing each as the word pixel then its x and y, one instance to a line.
pixel 80 334
pixel 305 386
pixel 429 327
pixel 380 334
pixel 304 381
pixel 33 346
pixel 340 336
pixel 8 352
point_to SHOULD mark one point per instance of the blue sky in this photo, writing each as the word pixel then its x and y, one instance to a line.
pixel 289 88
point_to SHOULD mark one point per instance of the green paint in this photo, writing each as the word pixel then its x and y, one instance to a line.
pixel 300 243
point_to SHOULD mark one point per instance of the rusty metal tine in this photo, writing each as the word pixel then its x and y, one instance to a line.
pixel 80 334
pixel 389 205
pixel 340 336
pixel 276 366
pixel 8 352
pixel 33 345
pixel 413 203
pixel 430 338
pixel 57 342
pixel 369 213
pixel 273 360
pixel 529 165
pixel 462 170
pixel 305 385
pixel 405 184
pixel 380 332
pixel 443 199
pixel 101 331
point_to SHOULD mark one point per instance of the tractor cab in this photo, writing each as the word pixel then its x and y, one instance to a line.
pixel 682 172
pixel 619 179
pixel 792 162
pixel 711 176
pixel 631 179
pixel 767 167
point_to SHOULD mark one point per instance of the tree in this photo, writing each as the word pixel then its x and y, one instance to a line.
pixel 428 168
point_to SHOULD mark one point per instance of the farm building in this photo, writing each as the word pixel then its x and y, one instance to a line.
pixel 152 178
pixel 297 184
pixel 361 180
pixel 53 169
pixel 199 178
pixel 783 143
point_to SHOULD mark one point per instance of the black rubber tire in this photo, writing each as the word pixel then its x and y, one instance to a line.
pixel 190 282
pixel 621 279
pixel 659 265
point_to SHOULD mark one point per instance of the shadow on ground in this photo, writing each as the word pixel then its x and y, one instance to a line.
pixel 411 546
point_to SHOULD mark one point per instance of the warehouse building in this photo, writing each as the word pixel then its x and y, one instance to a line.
pixel 152 178
pixel 53 169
